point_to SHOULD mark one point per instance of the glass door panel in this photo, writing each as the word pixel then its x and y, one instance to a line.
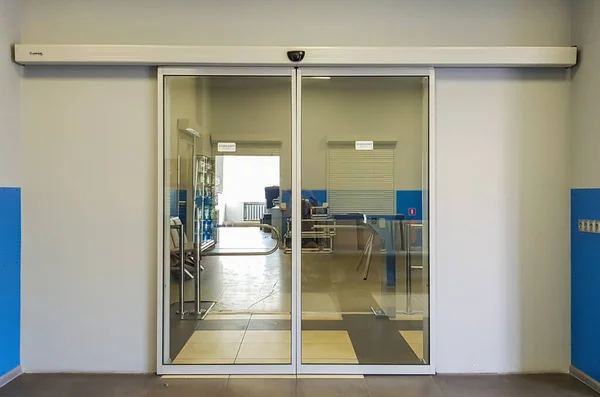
pixel 227 216
pixel 364 273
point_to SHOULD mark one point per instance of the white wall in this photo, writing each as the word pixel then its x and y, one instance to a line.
pixel 306 22
pixel 89 228
pixel 181 105
pixel 585 118
pixel 88 257
pixel 585 87
pixel 356 109
pixel 359 109
pixel 258 110
pixel 10 177
pixel 10 96
pixel 503 221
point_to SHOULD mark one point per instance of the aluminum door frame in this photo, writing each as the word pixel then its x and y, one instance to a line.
pixel 163 273
pixel 296 367
pixel 366 369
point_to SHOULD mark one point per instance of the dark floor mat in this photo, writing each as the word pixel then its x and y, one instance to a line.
pixel 377 340
pixel 181 330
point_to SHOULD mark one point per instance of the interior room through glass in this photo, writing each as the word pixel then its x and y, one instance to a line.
pixel 357 256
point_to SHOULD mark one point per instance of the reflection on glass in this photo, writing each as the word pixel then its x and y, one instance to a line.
pixel 364 211
pixel 235 304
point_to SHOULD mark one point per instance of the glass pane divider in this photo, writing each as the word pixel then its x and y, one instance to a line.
pixel 296 234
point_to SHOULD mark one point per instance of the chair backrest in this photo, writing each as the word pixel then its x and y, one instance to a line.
pixel 175 233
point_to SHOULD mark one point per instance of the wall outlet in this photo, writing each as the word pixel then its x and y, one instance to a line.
pixel 588 226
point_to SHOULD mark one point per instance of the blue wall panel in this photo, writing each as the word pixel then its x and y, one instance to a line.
pixel 10 279
pixel 406 199
pixel 585 284
pixel 178 210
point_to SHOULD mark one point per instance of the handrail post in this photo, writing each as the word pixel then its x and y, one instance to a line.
pixel 181 270
pixel 197 281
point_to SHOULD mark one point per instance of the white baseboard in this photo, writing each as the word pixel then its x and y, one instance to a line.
pixel 10 375
pixel 585 378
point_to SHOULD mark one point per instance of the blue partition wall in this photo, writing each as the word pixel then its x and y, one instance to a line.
pixel 10 278
pixel 405 200
pixel 585 284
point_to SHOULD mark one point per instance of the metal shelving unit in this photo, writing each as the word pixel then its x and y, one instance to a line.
pixel 205 200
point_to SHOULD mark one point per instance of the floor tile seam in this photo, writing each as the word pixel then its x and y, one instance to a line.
pixel 224 388
pixel 438 386
pixel 241 343
pixel 364 378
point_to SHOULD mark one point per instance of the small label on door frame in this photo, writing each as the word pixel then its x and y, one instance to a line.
pixel 226 147
pixel 363 145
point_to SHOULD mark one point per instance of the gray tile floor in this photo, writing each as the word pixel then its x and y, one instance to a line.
pixel 70 385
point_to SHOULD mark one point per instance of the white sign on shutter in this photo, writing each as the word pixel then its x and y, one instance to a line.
pixel 226 147
pixel 249 149
pixel 363 145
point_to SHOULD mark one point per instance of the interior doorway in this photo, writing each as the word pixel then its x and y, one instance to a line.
pixel 242 181
pixel 241 184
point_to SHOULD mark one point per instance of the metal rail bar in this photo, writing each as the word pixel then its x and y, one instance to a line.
pixel 182 269
pixel 362 254
pixel 359 226
pixel 197 281
pixel 246 253
pixel 409 266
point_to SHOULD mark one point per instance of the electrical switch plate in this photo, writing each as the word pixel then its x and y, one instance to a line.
pixel 588 226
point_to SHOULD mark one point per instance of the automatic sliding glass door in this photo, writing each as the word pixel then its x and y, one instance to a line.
pixel 364 222
pixel 294 221
pixel 228 289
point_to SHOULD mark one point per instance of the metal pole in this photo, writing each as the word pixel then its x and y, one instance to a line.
pixel 368 260
pixel 197 296
pixel 196 237
pixel 369 240
pixel 408 308
pixel 181 270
